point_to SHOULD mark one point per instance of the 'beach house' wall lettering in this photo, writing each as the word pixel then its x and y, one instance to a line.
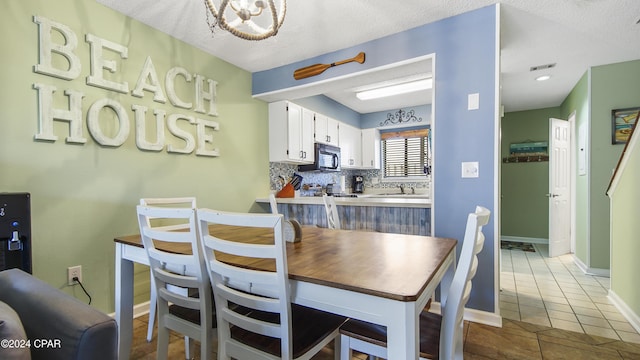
pixel 58 47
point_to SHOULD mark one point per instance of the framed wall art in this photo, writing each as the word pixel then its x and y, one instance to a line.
pixel 622 121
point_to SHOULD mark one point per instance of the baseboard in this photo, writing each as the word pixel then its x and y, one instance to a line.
pixel 138 310
pixel 483 317
pixel 591 271
pixel 580 264
pixel 473 315
pixel 599 272
pixel 625 310
pixel 525 239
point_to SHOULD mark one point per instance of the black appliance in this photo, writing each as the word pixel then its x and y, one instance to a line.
pixel 15 231
pixel 333 189
pixel 358 184
pixel 327 158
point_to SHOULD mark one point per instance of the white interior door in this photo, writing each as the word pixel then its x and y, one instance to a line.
pixel 559 187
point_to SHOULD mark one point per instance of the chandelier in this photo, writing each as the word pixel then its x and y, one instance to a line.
pixel 247 19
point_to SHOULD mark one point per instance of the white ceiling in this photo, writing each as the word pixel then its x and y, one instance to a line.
pixel 573 34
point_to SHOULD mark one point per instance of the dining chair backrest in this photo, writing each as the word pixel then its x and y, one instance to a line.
pixel 333 220
pixel 182 202
pixel 250 290
pixel 273 203
pixel 187 201
pixel 451 332
pixel 185 270
pixel 176 202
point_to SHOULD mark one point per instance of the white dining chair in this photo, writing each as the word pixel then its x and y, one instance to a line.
pixel 273 203
pixel 180 312
pixel 333 220
pixel 182 202
pixel 440 336
pixel 256 319
pixel 187 202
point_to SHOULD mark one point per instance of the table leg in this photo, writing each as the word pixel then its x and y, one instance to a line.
pixel 403 334
pixel 124 302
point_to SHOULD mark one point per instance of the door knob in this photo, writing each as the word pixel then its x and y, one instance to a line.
pixel 552 195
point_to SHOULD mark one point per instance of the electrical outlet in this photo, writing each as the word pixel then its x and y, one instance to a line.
pixel 73 272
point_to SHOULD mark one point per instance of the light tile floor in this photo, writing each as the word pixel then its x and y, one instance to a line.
pixel 555 292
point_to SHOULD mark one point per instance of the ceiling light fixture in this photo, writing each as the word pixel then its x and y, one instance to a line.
pixel 395 89
pixel 543 77
pixel 249 20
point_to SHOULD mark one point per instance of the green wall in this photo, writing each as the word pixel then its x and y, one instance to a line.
pixel 600 90
pixel 611 88
pixel 525 185
pixel 625 247
pixel 84 195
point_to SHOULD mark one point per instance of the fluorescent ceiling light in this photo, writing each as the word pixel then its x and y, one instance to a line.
pixel 543 78
pixel 395 89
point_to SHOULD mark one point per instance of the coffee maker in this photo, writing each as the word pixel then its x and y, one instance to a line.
pixel 358 184
pixel 15 231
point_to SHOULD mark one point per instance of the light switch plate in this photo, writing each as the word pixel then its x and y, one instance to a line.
pixel 470 169
pixel 474 101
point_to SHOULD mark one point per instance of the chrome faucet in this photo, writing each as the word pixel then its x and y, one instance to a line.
pixel 401 188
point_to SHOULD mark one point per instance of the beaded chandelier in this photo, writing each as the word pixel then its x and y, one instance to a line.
pixel 246 19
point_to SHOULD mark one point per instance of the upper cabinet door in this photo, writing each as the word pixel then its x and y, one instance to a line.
pixel 333 131
pixel 290 133
pixel 306 136
pixel 350 147
pixel 294 133
pixel 326 130
pixel 371 149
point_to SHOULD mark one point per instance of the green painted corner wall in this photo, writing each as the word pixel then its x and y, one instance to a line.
pixel 578 101
pixel 84 195
pixel 611 88
pixel 625 227
pixel 525 185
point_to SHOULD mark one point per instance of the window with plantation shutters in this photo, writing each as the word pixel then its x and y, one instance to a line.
pixel 406 154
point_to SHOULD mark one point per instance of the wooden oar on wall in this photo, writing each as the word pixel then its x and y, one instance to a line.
pixel 318 69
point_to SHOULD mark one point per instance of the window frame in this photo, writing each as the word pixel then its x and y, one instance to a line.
pixel 405 134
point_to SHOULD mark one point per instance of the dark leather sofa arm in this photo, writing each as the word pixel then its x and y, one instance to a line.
pixel 49 314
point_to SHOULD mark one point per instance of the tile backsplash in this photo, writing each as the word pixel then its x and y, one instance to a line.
pixel 281 173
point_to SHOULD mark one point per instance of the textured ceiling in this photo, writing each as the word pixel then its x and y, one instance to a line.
pixel 574 34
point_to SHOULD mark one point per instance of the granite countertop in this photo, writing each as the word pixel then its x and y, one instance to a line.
pixel 399 200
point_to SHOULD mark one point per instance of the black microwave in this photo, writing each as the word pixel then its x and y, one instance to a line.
pixel 327 158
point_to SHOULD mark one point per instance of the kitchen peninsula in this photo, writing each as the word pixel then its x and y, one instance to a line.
pixel 404 214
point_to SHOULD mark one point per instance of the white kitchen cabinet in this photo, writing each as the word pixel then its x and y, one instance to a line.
pixel 350 146
pixel 290 133
pixel 370 149
pixel 326 130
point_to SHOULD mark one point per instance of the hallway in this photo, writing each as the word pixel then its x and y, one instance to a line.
pixel 555 292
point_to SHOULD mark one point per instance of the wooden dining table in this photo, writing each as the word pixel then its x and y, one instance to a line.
pixel 382 278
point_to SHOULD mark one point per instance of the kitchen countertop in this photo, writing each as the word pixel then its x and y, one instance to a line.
pixel 406 201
